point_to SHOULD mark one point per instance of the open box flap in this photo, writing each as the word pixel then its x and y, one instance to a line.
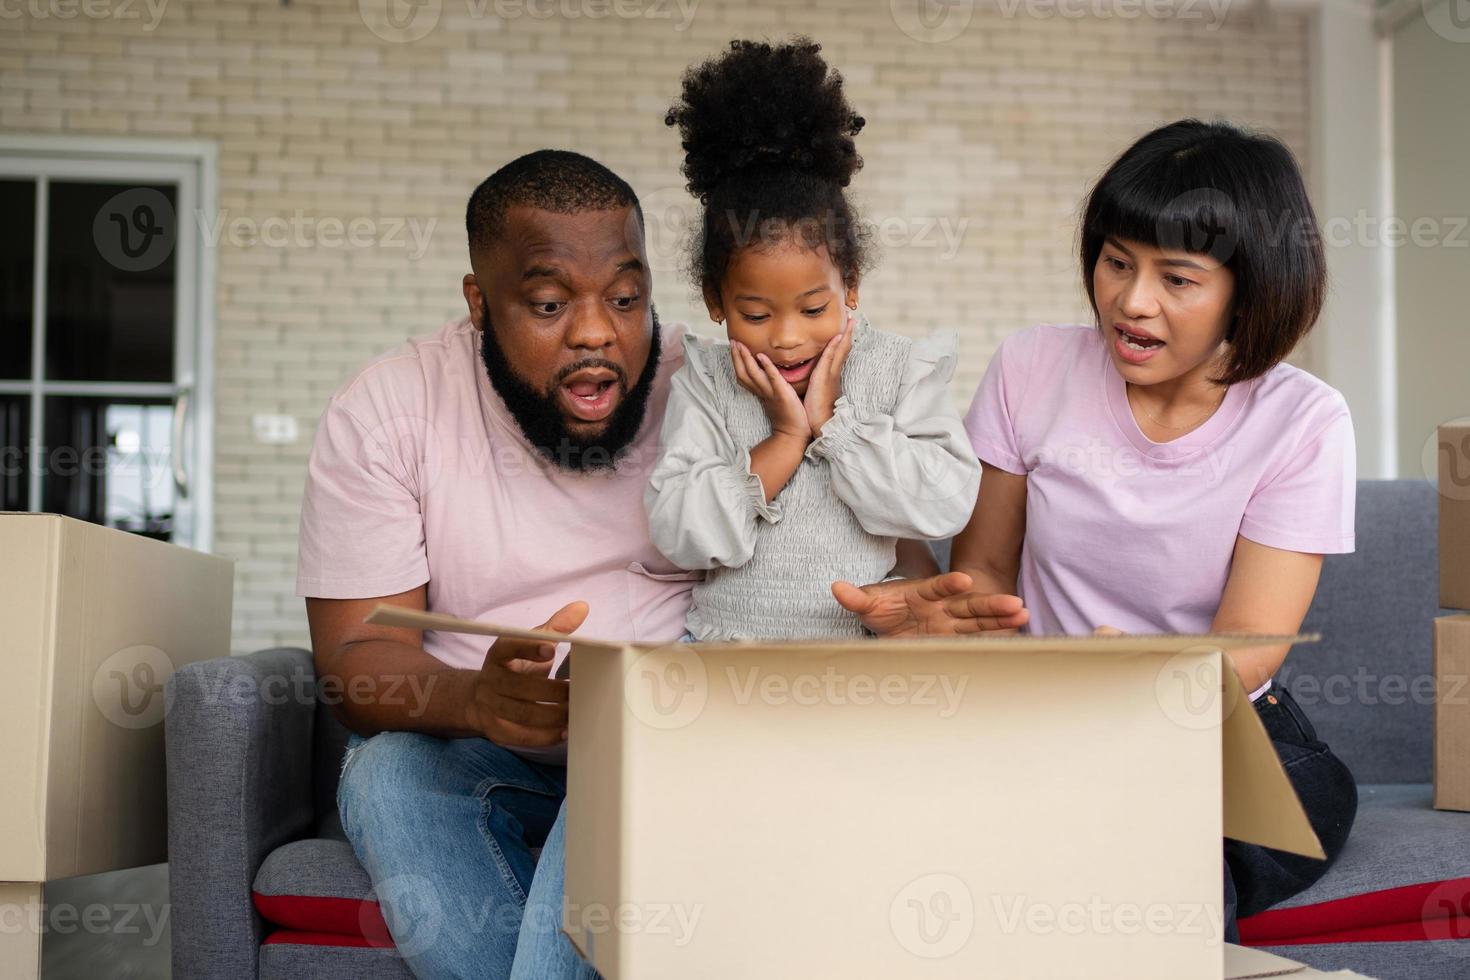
pixel 1261 805
pixel 389 615
pixel 1031 643
pixel 385 614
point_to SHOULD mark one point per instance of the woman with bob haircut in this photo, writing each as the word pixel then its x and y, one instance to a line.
pixel 1163 470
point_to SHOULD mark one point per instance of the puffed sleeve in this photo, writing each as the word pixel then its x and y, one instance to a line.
pixel 911 474
pixel 704 503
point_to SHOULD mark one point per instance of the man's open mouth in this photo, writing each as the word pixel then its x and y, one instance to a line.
pixel 591 396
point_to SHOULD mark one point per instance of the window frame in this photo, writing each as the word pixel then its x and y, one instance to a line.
pixel 192 166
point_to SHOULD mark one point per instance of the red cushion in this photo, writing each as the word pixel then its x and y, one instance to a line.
pixel 338 917
pixel 1428 910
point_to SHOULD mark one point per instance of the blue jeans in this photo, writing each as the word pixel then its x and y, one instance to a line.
pixel 445 829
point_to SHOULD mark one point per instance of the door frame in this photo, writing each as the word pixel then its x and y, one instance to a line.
pixel 194 164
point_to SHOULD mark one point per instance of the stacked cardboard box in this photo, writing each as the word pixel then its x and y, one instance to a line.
pixel 96 621
pixel 1452 633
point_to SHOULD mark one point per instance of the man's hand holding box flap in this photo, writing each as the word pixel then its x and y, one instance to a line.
pixel 1020 806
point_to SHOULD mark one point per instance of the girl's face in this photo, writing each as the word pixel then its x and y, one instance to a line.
pixel 785 301
pixel 1164 314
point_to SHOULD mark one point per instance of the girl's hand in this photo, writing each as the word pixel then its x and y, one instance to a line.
pixel 759 376
pixel 825 383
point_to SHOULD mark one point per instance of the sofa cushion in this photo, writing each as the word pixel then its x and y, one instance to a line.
pixel 318 886
pixel 1387 961
pixel 289 960
pixel 1368 685
pixel 1404 874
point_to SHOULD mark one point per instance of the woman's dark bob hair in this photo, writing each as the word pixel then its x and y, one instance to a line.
pixel 1214 189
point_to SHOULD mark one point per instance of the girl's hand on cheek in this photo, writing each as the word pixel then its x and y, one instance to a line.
pixel 757 375
pixel 825 383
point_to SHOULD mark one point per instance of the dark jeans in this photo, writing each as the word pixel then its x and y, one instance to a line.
pixel 1256 877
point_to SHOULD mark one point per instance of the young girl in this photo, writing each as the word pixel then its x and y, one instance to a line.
pixel 798 452
pixel 1163 470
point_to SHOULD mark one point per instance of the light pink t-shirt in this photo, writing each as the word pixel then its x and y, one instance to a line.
pixel 419 474
pixel 1126 532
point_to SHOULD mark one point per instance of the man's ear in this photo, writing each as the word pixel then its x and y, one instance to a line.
pixel 474 299
pixel 713 304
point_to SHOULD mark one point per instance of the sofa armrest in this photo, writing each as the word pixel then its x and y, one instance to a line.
pixel 238 743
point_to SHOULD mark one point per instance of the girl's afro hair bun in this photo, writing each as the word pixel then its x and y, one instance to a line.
pixel 765 107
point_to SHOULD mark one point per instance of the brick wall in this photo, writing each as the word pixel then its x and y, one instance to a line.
pixel 979 147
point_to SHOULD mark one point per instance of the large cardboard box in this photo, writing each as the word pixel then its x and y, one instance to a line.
pixel 1454 515
pixel 96 620
pixel 1452 713
pixel 1010 807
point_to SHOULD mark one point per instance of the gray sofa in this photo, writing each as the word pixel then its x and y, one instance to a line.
pixel 253 762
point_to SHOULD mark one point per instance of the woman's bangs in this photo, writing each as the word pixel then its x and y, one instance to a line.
pixel 1173 212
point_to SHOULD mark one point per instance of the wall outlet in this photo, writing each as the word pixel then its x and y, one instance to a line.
pixel 276 430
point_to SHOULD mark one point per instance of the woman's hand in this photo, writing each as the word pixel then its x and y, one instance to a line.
pixel 757 375
pixel 941 605
pixel 825 382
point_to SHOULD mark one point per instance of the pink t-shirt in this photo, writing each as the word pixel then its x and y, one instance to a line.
pixel 1126 532
pixel 419 474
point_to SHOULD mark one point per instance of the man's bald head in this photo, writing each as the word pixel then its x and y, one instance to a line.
pixel 559 181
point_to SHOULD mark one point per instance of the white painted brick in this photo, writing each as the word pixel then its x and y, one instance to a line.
pixel 1005 126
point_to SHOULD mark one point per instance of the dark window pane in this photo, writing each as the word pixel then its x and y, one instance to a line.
pixel 110 282
pixel 108 461
pixel 15 434
pixel 17 272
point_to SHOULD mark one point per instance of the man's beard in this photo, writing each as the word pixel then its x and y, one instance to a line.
pixel 539 413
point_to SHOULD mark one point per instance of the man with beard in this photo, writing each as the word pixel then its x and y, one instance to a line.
pixel 495 470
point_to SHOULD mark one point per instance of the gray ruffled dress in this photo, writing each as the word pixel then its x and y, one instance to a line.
pixel 892 462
